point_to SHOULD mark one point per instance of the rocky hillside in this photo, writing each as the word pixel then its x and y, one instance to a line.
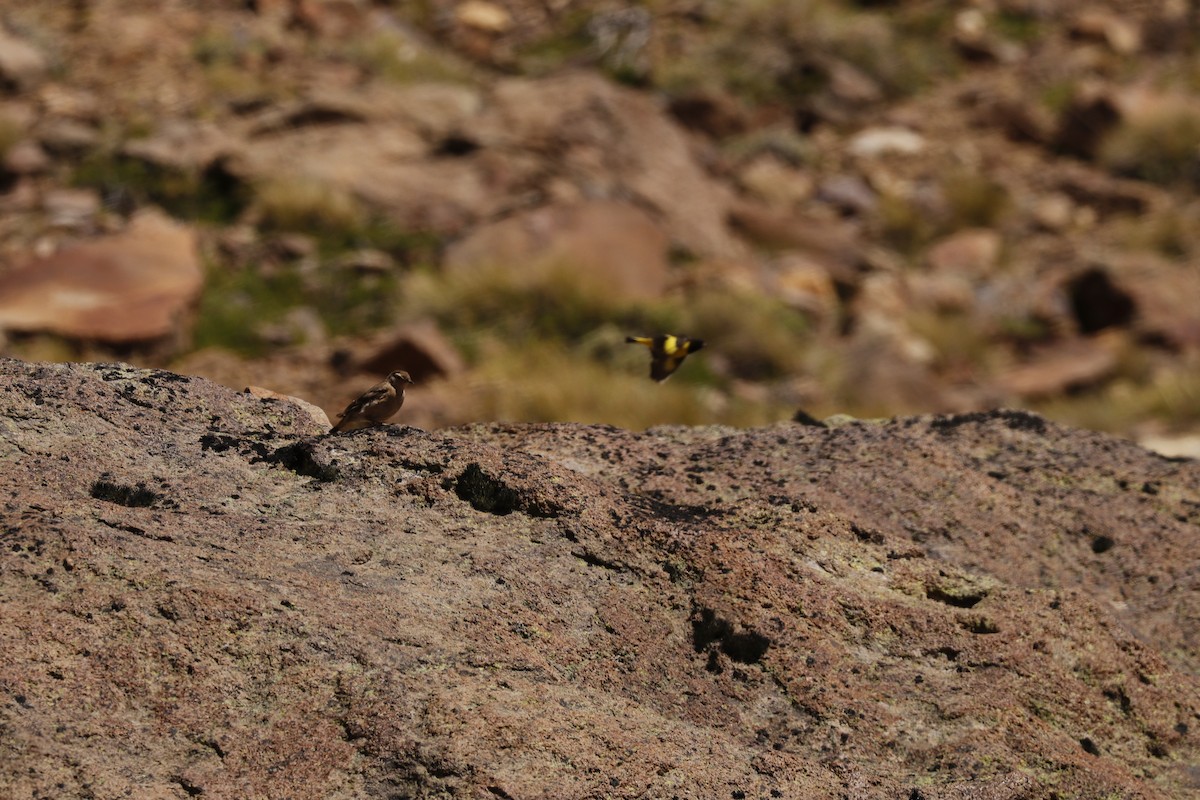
pixel 864 207
pixel 203 594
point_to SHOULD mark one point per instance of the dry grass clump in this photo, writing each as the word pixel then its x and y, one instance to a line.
pixel 550 345
pixel 753 336
pixel 552 301
pixel 757 336
pixel 959 200
pixel 973 201
pixel 126 183
pixel 962 347
pixel 779 50
pixel 395 56
pixel 550 380
pixel 1173 232
pixel 302 203
pixel 1169 392
pixel 1161 145
pixel 11 132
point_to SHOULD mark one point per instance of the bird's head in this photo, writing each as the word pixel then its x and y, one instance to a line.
pixel 398 377
pixel 693 345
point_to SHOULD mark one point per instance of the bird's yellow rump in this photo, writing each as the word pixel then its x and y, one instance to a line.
pixel 667 352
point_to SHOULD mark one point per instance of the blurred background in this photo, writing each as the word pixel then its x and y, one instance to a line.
pixel 871 208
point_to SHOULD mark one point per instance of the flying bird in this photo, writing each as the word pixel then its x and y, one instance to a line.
pixel 376 405
pixel 667 352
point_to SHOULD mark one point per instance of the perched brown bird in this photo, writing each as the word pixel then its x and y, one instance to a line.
pixel 667 352
pixel 376 405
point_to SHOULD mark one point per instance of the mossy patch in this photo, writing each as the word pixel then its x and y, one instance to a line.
pixel 207 195
pixel 238 306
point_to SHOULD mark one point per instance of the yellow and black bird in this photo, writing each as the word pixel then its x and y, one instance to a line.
pixel 376 405
pixel 667 352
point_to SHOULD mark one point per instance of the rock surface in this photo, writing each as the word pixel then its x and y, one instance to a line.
pixel 203 595
pixel 128 287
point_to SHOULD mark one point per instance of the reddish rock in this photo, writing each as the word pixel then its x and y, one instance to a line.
pixel 332 18
pixel 580 611
pixel 315 413
pixel 1162 294
pixel 1062 367
pixel 1054 212
pixel 775 182
pixel 68 136
pixel 26 158
pixel 970 253
pixel 22 65
pixel 438 110
pixel 183 146
pixel 613 142
pixel 343 155
pixel 614 245
pixel 420 348
pixel 129 287
pixel 483 16
pixel 1105 194
pixel 1101 25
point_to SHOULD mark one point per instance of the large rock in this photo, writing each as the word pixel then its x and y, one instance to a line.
pixel 437 159
pixel 611 245
pixel 201 593
pixel 419 348
pixel 972 253
pixel 1161 293
pixel 1062 367
pixel 613 142
pixel 131 286
pixel 183 146
pixel 22 65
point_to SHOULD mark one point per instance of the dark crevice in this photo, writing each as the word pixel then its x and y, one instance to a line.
pixel 492 495
pixel 956 599
pixel 222 442
pixel 300 459
pixel 946 651
pixel 136 531
pixel 980 625
pixel 457 146
pixel 593 560
pixel 484 492
pixel 671 512
pixel 190 788
pixel 743 646
pixel 1013 419
pixel 868 535
pixel 1098 303
pixel 130 496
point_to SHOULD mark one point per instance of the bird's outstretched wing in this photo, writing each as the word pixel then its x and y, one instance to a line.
pixel 661 368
